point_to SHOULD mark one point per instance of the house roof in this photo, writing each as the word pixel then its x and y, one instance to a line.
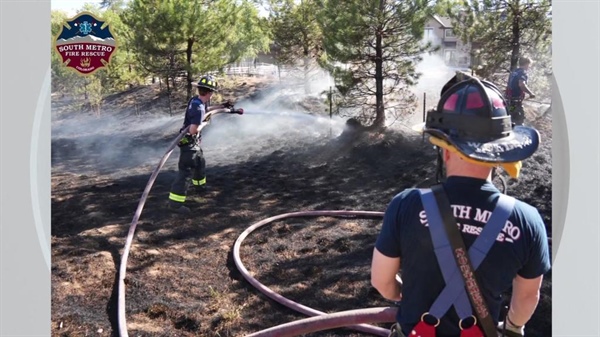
pixel 446 22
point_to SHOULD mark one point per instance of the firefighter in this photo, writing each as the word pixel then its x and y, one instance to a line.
pixel 517 88
pixel 192 164
pixel 474 132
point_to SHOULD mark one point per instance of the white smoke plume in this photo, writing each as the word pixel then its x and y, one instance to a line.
pixel 434 74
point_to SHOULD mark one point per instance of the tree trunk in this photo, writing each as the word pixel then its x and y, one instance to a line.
pixel 516 35
pixel 170 104
pixel 188 53
pixel 167 81
pixel 379 107
pixel 305 52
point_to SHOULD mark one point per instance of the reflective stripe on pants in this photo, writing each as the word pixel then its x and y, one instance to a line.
pixel 199 182
pixel 191 166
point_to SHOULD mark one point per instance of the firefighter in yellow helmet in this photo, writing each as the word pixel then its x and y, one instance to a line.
pixel 192 165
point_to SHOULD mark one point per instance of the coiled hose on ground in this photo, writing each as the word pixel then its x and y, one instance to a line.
pixel 326 322
pixel 330 321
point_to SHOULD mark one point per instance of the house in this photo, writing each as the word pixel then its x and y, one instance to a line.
pixel 438 30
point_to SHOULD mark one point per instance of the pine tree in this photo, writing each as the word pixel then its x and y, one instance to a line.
pixel 297 34
pixel 185 38
pixel 247 34
pixel 372 49
pixel 155 37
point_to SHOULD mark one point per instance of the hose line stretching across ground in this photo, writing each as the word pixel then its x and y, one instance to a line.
pixel 123 263
pixel 123 266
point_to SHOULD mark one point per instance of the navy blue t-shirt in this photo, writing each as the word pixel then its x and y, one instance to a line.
pixel 521 248
pixel 194 114
pixel 514 90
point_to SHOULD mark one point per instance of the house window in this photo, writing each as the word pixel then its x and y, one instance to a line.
pixel 450 57
pixel 428 35
pixel 450 44
pixel 448 33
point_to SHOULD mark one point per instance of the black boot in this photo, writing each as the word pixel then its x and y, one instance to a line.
pixel 178 207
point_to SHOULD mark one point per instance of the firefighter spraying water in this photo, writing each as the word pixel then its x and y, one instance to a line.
pixel 516 89
pixel 192 165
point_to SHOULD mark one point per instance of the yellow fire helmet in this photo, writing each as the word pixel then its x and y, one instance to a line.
pixel 208 82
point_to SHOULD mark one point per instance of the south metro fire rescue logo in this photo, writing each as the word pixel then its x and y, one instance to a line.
pixel 85 43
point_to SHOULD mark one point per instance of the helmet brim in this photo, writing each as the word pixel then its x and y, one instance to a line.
pixel 520 144
pixel 205 87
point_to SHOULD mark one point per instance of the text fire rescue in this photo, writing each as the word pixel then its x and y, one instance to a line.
pixel 93 50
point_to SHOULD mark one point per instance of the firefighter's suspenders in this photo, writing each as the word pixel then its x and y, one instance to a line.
pixel 455 292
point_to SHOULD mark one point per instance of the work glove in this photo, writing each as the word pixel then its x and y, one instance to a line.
pixel 227 105
pixel 186 140
pixel 510 330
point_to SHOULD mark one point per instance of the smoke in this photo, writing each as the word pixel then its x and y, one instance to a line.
pixel 109 143
pixel 434 74
pixel 109 124
pixel 290 114
pixel 281 117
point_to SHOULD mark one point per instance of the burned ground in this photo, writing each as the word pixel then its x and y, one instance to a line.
pixel 181 278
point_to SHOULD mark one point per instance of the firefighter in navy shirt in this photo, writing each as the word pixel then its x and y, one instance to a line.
pixel 520 255
pixel 517 88
pixel 192 164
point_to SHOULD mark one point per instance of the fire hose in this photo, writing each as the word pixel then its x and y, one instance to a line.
pixel 335 320
pixel 123 263
pixel 537 102
pixel 325 321
pixel 353 319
